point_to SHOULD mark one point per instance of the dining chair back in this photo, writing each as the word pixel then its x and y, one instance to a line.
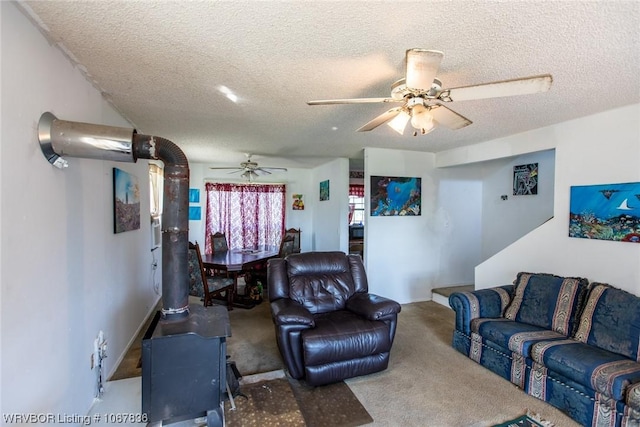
pixel 287 246
pixel 219 242
pixel 208 286
pixel 295 233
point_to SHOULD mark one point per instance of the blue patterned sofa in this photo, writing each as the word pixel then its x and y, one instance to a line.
pixel 572 344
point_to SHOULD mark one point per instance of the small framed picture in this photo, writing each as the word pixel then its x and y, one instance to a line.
pixel 324 190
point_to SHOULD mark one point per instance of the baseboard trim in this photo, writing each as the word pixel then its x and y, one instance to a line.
pixel 440 299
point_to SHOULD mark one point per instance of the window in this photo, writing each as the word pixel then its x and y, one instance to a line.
pixel 249 215
pixel 156 183
pixel 156 179
pixel 356 204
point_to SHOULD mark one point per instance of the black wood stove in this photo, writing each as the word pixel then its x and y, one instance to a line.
pixel 184 367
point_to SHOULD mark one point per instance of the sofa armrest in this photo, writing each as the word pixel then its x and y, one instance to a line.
pixel 288 312
pixel 373 307
pixel 484 303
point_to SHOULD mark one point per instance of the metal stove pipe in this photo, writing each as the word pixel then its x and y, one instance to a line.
pixel 73 139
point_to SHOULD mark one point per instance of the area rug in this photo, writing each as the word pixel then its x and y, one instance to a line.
pixel 528 420
pixel 287 402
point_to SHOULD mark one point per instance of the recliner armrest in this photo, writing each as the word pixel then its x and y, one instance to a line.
pixel 289 312
pixel 373 307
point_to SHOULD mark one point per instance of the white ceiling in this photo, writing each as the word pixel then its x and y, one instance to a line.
pixel 161 65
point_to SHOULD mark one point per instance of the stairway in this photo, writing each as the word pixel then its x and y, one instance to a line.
pixel 441 295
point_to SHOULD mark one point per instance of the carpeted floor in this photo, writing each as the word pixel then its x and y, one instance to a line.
pixel 251 345
pixel 428 383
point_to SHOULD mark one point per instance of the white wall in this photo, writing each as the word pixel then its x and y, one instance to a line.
pixel 65 274
pixel 331 217
pixel 407 256
pixel 505 221
pixel 603 148
pixel 297 181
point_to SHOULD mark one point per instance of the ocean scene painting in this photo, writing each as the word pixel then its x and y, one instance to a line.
pixel 606 212
pixel 391 196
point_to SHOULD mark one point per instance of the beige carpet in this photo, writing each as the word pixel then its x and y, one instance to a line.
pixel 428 383
pixel 252 344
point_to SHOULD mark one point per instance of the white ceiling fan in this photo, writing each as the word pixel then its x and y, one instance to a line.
pixel 423 97
pixel 250 169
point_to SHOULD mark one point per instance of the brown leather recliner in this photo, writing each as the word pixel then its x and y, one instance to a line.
pixel 328 326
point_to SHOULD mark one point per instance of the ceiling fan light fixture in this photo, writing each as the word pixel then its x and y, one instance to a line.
pixel 249 174
pixel 399 122
pixel 421 119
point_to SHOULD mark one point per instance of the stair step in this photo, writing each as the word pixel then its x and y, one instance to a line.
pixel 441 295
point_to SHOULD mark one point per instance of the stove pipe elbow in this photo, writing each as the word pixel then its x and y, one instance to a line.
pixel 60 138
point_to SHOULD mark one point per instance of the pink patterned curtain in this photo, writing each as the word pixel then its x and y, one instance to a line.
pixel 248 214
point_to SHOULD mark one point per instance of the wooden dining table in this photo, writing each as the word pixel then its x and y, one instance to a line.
pixel 237 261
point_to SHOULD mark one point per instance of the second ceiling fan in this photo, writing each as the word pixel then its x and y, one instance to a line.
pixel 250 169
pixel 423 97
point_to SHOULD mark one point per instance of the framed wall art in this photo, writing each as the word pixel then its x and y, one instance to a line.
pixel 194 195
pixel 298 203
pixel 605 212
pixel 324 190
pixel 195 213
pixel 395 196
pixel 525 179
pixel 126 201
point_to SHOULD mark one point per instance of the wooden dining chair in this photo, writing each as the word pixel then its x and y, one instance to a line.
pixel 219 242
pixel 295 233
pixel 287 246
pixel 258 273
pixel 208 286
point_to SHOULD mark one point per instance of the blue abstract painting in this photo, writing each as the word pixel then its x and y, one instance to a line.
pixel 606 212
pixel 195 213
pixel 194 195
pixel 391 196
pixel 324 190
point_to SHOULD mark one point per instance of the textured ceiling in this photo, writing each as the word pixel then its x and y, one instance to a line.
pixel 161 64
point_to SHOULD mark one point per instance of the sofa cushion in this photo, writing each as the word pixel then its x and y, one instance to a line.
pixel 343 335
pixel 547 301
pixel 517 337
pixel 603 371
pixel 611 321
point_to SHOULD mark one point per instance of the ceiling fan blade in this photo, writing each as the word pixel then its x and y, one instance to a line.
pixel 352 101
pixel 381 119
pixel 521 86
pixel 267 168
pixel 234 169
pixel 422 67
pixel 448 118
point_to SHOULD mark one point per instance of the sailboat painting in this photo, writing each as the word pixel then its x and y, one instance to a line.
pixel 606 212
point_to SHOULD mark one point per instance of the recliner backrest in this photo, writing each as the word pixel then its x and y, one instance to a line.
pixel 320 281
